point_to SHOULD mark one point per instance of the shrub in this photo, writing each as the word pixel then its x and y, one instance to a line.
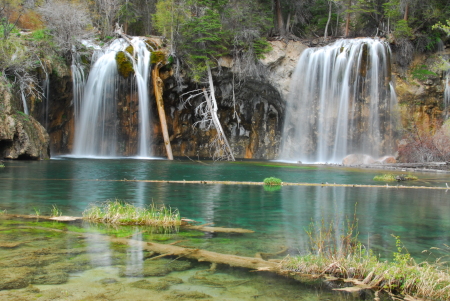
pixel 272 181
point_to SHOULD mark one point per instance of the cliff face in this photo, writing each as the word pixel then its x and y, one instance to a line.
pixel 21 136
pixel 421 94
pixel 251 110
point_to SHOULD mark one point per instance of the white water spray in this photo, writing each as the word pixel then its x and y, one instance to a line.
pixel 97 125
pixel 341 101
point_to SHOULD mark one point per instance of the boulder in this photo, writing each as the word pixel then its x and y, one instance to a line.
pixel 358 159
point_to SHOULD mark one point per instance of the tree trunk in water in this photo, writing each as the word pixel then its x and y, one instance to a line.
pixel 212 104
pixel 347 22
pixel 158 90
pixel 279 18
pixel 328 21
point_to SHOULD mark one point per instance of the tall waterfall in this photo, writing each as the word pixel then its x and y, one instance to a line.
pixel 97 126
pixel 341 101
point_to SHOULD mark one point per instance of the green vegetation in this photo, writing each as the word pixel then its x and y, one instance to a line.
pixel 393 178
pixel 2 165
pixel 124 64
pixel 272 181
pixel 119 212
pixel 422 73
pixel 347 258
pixel 55 211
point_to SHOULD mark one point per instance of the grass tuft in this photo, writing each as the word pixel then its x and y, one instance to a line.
pixel 393 178
pixel 346 258
pixel 272 181
pixel 122 213
pixel 55 211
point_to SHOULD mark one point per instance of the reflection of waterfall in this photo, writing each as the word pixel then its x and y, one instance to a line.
pixel 341 101
pixel 97 126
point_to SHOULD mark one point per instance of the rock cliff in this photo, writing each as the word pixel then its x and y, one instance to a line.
pixel 21 136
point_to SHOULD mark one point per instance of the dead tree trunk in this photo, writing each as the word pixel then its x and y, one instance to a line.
pixel 212 105
pixel 158 90
pixel 328 21
pixel 347 22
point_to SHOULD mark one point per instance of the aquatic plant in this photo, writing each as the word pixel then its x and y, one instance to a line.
pixel 55 211
pixel 2 165
pixel 37 212
pixel 392 178
pixel 272 181
pixel 347 258
pixel 119 212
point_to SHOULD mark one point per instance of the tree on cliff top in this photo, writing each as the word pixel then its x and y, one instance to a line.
pixel 69 22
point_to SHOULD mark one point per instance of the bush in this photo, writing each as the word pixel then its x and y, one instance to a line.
pixel 272 181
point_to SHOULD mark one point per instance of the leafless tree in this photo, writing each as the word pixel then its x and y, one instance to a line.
pixel 68 22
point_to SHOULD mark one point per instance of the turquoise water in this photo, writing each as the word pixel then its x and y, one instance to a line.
pixel 279 218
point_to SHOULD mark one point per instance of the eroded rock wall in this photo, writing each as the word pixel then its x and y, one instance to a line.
pixel 21 136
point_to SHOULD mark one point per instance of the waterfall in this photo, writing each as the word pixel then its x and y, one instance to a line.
pixel 447 93
pixel 78 82
pixel 341 101
pixel 97 125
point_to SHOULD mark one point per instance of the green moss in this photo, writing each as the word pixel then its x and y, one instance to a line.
pixel 157 57
pixel 130 49
pixel 151 44
pixel 124 66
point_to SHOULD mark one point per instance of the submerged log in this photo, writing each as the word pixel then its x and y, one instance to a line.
pixel 179 252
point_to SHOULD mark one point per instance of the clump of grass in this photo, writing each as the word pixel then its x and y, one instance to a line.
pixel 392 178
pixel 385 178
pixel 119 212
pixel 37 212
pixel 347 258
pixel 55 211
pixel 272 181
pixel 2 165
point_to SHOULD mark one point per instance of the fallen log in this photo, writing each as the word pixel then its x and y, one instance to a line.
pixel 201 255
pixel 185 225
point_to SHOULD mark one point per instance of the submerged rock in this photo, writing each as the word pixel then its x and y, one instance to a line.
pixel 181 295
pixel 152 268
pixel 157 286
pixel 14 278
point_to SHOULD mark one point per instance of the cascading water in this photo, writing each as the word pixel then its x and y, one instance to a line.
pixel 342 101
pixel 97 128
pixel 78 82
pixel 447 93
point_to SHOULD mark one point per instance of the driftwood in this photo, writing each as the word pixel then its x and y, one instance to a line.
pixel 184 225
pixel 219 229
pixel 158 90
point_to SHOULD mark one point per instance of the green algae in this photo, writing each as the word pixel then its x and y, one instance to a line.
pixel 157 57
pixel 124 65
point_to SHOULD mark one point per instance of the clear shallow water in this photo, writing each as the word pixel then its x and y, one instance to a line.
pixel 279 218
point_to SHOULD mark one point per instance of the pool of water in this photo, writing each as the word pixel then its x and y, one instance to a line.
pixel 279 218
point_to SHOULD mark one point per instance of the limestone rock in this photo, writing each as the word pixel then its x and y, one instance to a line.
pixel 358 159
pixel 22 137
pixel 281 62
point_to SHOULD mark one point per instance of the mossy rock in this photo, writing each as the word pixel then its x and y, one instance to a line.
pixel 157 57
pixel 151 44
pixel 156 286
pixel 50 277
pixel 184 295
pixel 14 278
pixel 124 66
pixel 130 49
